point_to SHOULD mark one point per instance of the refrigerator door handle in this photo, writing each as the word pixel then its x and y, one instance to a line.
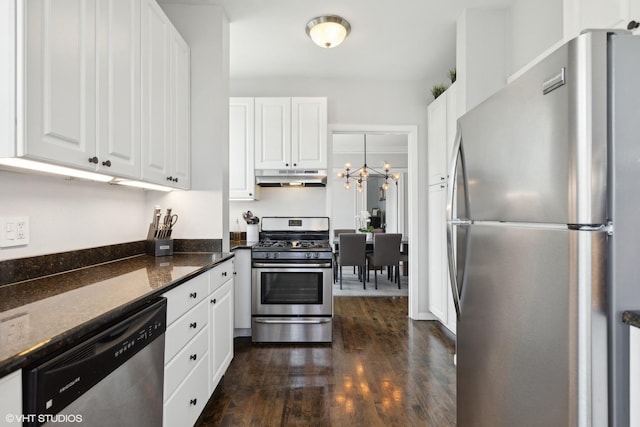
pixel 458 152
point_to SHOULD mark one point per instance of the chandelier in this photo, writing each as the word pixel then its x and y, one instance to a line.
pixel 361 174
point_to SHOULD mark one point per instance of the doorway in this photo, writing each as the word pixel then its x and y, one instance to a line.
pixel 406 221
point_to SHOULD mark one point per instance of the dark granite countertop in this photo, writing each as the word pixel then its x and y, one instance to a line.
pixel 61 308
pixel 241 244
pixel 631 318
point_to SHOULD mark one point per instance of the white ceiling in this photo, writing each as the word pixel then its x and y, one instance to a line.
pixel 390 39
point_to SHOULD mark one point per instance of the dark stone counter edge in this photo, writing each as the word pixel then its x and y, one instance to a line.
pixel 72 336
pixel 241 244
pixel 631 318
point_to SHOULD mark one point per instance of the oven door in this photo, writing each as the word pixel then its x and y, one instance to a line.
pixel 291 289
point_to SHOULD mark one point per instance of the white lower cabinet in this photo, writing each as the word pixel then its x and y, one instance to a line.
pixel 440 294
pixel 242 292
pixel 221 336
pixel 185 405
pixel 634 375
pixel 198 343
pixel 10 398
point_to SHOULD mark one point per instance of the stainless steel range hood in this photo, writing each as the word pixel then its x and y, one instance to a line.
pixel 291 177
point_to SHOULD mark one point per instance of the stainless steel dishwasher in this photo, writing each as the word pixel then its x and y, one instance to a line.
pixel 113 378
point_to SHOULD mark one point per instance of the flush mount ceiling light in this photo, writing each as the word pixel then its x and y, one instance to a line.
pixel 328 31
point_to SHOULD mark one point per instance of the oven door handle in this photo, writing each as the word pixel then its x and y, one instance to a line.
pixel 291 265
pixel 293 321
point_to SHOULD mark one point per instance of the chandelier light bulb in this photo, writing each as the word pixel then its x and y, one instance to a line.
pixel 340 174
pixel 347 185
pixel 387 167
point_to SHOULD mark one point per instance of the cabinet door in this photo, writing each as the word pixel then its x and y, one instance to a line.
pixel 118 87
pixel 437 140
pixel 309 133
pixel 452 123
pixel 221 338
pixel 180 146
pixel 60 81
pixel 438 277
pixel 10 398
pixel 273 133
pixel 155 134
pixel 242 180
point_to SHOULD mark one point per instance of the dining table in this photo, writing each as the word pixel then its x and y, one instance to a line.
pixel 404 250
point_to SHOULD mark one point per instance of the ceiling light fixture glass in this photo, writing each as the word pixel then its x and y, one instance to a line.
pixel 328 31
pixel 363 172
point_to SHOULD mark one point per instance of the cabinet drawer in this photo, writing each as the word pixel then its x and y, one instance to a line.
pixel 184 329
pixel 184 407
pixel 184 297
pixel 220 274
pixel 179 367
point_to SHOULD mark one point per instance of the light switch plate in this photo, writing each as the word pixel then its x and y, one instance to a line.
pixel 14 231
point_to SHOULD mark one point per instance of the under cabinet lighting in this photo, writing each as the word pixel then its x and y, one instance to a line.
pixel 17 162
pixel 140 184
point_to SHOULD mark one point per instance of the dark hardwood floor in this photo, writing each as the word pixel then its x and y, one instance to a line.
pixel 382 369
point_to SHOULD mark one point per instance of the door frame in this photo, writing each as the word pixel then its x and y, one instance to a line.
pixel 418 281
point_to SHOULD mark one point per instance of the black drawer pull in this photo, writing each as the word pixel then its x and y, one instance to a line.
pixel 193 325
pixel 213 301
pixel 193 402
pixel 193 357
pixel 224 273
pixel 193 295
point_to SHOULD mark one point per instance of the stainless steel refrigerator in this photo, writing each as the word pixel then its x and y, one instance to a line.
pixel 544 237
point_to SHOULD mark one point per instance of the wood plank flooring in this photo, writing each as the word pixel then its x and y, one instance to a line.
pixel 382 369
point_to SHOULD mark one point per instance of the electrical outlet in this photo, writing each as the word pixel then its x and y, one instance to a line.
pixel 14 231
pixel 14 330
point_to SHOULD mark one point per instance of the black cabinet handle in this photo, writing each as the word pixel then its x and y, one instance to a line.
pixel 193 402
pixel 193 357
pixel 169 178
pixel 175 179
pixel 213 301
pixel 107 163
pixel 286 164
pixel 632 25
pixel 93 159
pixel 224 273
pixel 193 325
pixel 193 295
pixel 295 164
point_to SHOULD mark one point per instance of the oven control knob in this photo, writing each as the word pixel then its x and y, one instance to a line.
pixel 268 255
pixel 275 255
pixel 316 255
pixel 308 255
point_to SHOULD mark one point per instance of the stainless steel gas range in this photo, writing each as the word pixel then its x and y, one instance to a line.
pixel 291 291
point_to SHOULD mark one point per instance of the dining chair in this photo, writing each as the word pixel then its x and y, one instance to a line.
pixel 386 252
pixel 353 252
pixel 336 233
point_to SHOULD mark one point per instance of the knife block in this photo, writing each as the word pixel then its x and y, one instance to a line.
pixel 159 247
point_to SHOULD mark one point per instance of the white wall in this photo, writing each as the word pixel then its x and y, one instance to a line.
pixel 533 28
pixel 203 211
pixel 67 215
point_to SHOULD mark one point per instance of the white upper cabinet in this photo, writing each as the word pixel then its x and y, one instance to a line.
pixel 290 133
pixel 180 155
pixel 273 133
pixel 87 82
pixel 441 133
pixel 165 100
pixel 309 132
pixel 241 149
pixel 118 87
pixel 584 14
pixel 59 81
